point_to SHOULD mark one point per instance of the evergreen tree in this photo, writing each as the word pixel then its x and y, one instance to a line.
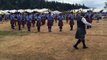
pixel 31 4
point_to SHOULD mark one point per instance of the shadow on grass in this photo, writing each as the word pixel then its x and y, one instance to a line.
pixel 13 33
pixel 28 56
pixel 100 35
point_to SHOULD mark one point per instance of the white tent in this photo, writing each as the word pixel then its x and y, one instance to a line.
pixel 1 12
pixel 85 10
pixel 5 11
pixel 29 10
pixel 21 10
pixel 74 10
pixel 35 10
pixel 56 12
pixel 97 10
pixel 105 10
pixel 43 10
pixel 46 12
pixel 12 11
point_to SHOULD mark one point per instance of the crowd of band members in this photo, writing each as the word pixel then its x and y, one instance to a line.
pixel 30 19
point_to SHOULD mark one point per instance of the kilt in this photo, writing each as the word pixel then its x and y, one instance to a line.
pixel 5 18
pixel 12 22
pixel 55 18
pixel 28 24
pixel 23 22
pixel 15 21
pixel 71 23
pixel 33 21
pixel 50 23
pixel 60 23
pixel 89 20
pixel 43 21
pixel 80 34
pixel 19 22
pixel 38 23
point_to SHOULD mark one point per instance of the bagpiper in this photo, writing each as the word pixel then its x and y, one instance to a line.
pixel 33 19
pixel 50 22
pixel 12 18
pixel 43 17
pixel 38 19
pixel 67 17
pixel 81 30
pixel 60 22
pixel 88 17
pixel 71 20
pixel 28 18
pixel 19 19
pixel 23 19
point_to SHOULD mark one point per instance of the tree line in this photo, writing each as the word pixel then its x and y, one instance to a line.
pixel 32 4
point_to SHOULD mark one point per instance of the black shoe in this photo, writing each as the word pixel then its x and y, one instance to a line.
pixel 28 30
pixel 71 29
pixel 50 31
pixel 85 47
pixel 60 30
pixel 75 47
pixel 20 29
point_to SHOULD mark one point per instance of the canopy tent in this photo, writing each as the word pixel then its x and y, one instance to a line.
pixel 1 12
pixel 12 11
pixel 98 10
pixel 28 10
pixel 74 10
pixel 80 10
pixel 20 10
pixel 105 10
pixel 35 10
pixel 56 12
pixel 85 10
pixel 43 10
pixel 5 11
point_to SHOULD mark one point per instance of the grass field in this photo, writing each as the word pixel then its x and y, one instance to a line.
pixel 23 45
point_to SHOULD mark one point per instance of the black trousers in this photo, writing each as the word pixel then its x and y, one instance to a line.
pixel 23 24
pixel 12 24
pixel 49 28
pixel 60 27
pixel 79 41
pixel 19 25
pixel 38 28
pixel 71 27
pixel 29 26
pixel 88 27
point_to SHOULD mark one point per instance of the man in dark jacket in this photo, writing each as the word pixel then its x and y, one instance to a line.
pixel 81 30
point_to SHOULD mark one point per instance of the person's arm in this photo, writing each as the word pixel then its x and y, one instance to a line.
pixel 85 22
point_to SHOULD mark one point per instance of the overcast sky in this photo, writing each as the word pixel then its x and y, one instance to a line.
pixel 89 3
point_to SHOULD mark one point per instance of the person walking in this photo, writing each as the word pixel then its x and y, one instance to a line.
pixel 60 22
pixel 50 22
pixel 71 21
pixel 28 18
pixel 39 21
pixel 12 22
pixel 81 30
